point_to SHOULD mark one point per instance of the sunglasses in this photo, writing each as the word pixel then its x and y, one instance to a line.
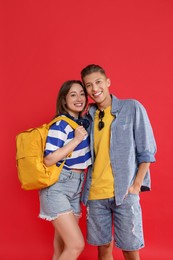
pixel 101 123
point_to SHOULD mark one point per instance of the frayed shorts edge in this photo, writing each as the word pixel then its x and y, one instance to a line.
pixel 48 218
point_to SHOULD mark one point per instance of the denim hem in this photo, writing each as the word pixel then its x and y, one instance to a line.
pixel 127 249
pixel 48 218
pixel 79 215
pixel 102 244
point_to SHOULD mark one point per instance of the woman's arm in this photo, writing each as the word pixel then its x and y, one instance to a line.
pixel 62 152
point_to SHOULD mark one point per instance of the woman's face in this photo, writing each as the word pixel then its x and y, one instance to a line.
pixel 75 100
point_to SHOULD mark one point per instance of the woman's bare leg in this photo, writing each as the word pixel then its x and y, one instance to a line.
pixel 58 245
pixel 67 231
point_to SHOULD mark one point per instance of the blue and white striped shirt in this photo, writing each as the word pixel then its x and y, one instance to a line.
pixel 60 134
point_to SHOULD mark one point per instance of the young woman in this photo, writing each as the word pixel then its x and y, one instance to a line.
pixel 60 203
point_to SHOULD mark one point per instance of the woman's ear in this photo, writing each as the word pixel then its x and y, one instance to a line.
pixel 64 101
pixel 64 104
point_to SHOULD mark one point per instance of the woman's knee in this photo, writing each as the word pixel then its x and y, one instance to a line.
pixel 79 245
pixel 74 249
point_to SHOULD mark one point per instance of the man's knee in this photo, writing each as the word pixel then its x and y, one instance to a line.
pixel 105 251
pixel 131 255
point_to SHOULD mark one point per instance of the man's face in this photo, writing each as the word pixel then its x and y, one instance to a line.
pixel 97 87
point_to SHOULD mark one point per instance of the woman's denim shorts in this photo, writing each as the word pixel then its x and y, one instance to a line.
pixel 62 197
pixel 126 219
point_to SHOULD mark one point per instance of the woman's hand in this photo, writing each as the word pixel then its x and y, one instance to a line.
pixel 80 134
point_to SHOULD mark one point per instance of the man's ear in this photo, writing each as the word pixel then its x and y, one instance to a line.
pixel 109 82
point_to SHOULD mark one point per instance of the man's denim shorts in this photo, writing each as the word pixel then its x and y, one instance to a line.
pixel 103 216
pixel 62 197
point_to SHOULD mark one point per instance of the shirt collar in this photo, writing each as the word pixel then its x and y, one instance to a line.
pixel 115 107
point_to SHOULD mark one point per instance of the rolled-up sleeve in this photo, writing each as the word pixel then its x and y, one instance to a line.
pixel 144 137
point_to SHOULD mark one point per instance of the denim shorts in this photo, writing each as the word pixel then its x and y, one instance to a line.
pixel 125 221
pixel 62 197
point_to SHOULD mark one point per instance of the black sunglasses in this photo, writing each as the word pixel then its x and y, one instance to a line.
pixel 101 123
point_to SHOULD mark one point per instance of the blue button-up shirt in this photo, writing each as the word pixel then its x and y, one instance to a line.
pixel 131 143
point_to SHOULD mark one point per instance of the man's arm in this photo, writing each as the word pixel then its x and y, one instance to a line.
pixel 142 170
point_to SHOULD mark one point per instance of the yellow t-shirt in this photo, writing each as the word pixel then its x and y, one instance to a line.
pixel 102 185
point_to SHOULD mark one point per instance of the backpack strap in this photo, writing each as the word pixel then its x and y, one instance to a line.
pixel 72 123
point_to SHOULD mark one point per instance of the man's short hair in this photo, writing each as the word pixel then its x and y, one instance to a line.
pixel 90 69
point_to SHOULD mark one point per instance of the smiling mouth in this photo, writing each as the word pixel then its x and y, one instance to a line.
pixel 78 104
pixel 97 94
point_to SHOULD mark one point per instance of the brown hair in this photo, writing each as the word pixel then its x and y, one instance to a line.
pixel 90 69
pixel 61 98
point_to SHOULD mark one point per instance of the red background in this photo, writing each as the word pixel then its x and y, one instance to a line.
pixel 45 43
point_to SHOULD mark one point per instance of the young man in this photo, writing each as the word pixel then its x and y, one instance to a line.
pixel 123 146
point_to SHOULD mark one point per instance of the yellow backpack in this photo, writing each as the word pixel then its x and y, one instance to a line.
pixel 33 174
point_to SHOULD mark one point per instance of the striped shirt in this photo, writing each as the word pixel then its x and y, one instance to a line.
pixel 60 134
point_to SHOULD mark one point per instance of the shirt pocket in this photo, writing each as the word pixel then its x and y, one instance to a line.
pixel 124 132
